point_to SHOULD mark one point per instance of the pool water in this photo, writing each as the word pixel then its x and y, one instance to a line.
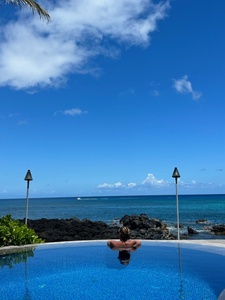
pixel 90 270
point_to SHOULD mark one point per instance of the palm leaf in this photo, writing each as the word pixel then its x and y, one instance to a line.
pixel 34 6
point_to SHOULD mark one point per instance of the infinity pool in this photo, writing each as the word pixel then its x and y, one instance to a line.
pixel 90 270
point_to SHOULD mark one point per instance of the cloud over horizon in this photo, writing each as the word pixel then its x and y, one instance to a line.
pixel 152 185
pixel 117 185
pixel 154 182
pixel 150 182
pixel 34 53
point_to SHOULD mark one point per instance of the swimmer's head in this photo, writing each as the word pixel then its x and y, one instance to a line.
pixel 124 234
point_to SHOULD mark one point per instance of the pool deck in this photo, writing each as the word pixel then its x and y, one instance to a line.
pixel 16 249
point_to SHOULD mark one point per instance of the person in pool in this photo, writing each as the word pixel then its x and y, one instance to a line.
pixel 125 242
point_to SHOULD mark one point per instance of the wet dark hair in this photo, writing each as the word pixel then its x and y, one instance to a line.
pixel 124 233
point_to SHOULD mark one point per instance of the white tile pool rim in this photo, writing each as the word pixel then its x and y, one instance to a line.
pixel 215 243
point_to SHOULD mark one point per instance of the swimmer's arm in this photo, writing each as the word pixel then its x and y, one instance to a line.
pixel 136 245
pixel 111 244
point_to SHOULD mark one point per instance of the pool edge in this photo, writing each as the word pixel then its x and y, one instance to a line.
pixel 16 249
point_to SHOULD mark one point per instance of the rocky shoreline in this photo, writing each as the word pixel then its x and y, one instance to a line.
pixel 141 226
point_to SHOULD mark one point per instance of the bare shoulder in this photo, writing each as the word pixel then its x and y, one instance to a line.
pixel 113 244
pixel 135 243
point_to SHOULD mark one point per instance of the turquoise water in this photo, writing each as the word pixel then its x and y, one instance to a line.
pixel 92 271
pixel 107 209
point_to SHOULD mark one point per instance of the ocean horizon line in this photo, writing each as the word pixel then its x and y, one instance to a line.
pixel 113 196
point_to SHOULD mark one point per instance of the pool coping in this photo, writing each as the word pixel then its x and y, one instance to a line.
pixel 16 249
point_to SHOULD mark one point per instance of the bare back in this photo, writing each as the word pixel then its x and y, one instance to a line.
pixel 127 245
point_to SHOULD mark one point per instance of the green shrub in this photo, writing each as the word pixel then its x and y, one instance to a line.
pixel 13 232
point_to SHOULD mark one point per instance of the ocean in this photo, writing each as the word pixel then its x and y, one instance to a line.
pixel 111 209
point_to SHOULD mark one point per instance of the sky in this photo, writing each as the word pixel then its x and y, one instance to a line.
pixel 110 96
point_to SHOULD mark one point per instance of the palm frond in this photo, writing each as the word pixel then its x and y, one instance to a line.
pixel 34 6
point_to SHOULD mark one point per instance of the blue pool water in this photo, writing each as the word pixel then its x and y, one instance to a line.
pixel 90 270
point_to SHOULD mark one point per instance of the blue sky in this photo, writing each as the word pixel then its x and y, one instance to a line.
pixel 109 97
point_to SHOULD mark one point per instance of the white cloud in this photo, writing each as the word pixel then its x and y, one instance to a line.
pixel 104 186
pixel 153 182
pixel 117 185
pixel 34 53
pixel 150 181
pixel 184 86
pixel 152 185
pixel 71 112
pixel 131 185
